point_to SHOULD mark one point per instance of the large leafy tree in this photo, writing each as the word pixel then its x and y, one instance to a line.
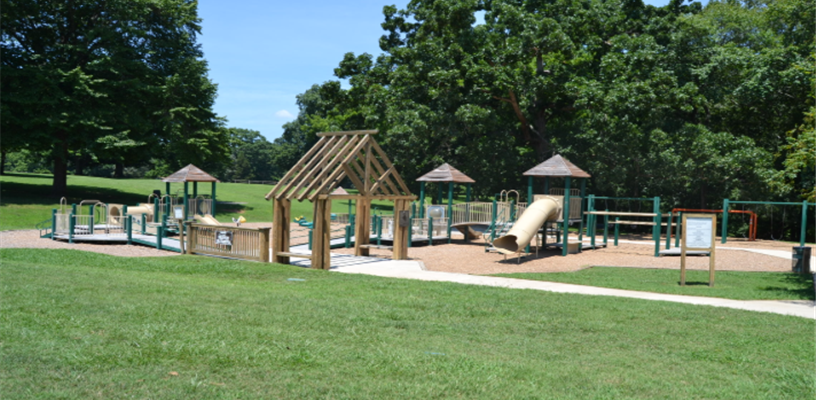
pixel 122 80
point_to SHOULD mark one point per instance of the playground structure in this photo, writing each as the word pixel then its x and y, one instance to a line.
pixel 150 223
pixel 338 155
pixel 506 224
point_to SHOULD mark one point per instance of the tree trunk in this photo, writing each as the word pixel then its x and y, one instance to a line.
pixel 59 188
pixel 3 162
pixel 79 168
pixel 702 195
pixel 119 171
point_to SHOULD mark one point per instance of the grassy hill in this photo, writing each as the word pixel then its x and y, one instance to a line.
pixel 25 198
pixel 79 325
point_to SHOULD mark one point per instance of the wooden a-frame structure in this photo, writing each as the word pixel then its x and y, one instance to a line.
pixel 336 156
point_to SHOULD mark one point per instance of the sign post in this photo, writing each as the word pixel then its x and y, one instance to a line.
pixel 698 234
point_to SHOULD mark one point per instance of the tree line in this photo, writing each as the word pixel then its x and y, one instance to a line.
pixel 690 103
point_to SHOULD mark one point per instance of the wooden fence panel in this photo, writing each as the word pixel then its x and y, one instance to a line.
pixel 229 241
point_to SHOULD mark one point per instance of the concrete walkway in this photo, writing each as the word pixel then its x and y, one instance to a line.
pixel 408 269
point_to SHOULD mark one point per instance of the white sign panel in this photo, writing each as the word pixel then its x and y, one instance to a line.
pixel 178 212
pixel 223 238
pixel 698 233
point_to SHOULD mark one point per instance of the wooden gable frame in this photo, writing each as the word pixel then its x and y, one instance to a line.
pixel 336 156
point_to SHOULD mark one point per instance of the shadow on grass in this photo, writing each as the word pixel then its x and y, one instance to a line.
pixel 37 176
pixel 26 193
pixel 803 286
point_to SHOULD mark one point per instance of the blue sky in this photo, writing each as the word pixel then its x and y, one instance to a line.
pixel 264 53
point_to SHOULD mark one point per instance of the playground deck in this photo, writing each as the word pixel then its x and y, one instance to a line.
pixel 169 244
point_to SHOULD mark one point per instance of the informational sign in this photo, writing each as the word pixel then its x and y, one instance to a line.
pixel 404 218
pixel 698 232
pixel 178 212
pixel 698 235
pixel 223 238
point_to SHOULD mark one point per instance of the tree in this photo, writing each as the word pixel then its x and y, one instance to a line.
pixel 123 80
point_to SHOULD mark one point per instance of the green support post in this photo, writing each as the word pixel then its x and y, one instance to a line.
pixel 606 228
pixel 71 224
pixel 167 187
pixel 669 231
pixel 422 200
pixel 583 201
pixel 195 190
pixel 73 208
pixel 803 231
pixel 467 196
pixel 129 222
pixel 656 229
pixel 91 224
pixel 144 223
pixel 53 223
pixel 547 185
pixel 565 240
pixel 156 217
pixel 430 231
pixel 125 215
pixel 159 236
pixel 592 225
pixel 450 209
pixel 348 236
pixel 495 211
pixel 617 230
pixel 310 239
pixel 512 211
pixel 529 190
pixel 214 200
pixel 349 208
pixel 724 233
pixel 378 222
pixel 186 200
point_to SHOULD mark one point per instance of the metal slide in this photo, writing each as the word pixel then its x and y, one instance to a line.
pixel 527 225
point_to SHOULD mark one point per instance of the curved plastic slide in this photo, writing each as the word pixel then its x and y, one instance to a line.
pixel 207 220
pixel 527 225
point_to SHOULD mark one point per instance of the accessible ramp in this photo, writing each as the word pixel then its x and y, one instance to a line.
pixel 523 231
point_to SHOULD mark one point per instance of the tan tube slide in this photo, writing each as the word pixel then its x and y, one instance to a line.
pixel 527 225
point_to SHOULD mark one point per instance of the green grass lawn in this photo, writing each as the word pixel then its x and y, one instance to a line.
pixel 735 285
pixel 84 325
pixel 26 198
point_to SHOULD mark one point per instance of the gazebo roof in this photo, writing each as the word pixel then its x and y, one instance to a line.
pixel 190 173
pixel 557 166
pixel 445 173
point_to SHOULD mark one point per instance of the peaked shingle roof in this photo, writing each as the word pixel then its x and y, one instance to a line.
pixel 445 173
pixel 190 173
pixel 559 167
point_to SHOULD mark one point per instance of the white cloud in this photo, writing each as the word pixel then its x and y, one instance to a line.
pixel 284 114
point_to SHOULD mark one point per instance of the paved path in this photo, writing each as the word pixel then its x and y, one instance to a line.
pixel 407 269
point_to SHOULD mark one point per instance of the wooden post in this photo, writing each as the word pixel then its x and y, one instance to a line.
pixel 214 200
pixel 186 202
pixel 264 250
pixel 191 238
pixel 362 231
pixel 400 251
pixel 280 230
